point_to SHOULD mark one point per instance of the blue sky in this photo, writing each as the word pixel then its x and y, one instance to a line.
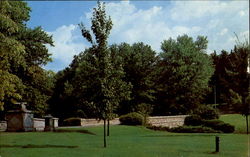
pixel 150 22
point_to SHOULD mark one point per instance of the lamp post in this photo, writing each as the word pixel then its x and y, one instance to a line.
pixel 215 95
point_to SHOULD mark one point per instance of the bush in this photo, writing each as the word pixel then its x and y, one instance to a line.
pixel 227 128
pixel 207 112
pixel 219 125
pixel 193 120
pixel 193 129
pixel 72 122
pixel 132 119
pixel 160 128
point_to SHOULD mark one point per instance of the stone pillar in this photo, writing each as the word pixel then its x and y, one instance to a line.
pixel 3 125
pixel 19 119
pixel 50 123
pixel 55 122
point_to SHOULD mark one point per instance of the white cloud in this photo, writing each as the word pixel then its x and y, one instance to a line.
pixel 242 13
pixel 150 25
pixel 191 10
pixel 135 25
pixel 67 44
pixel 153 25
pixel 218 20
pixel 223 31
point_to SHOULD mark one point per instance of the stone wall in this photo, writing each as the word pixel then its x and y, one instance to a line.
pixel 39 124
pixel 94 122
pixel 3 125
pixel 167 121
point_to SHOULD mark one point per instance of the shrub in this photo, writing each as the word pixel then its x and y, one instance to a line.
pixel 132 119
pixel 193 120
pixel 193 129
pixel 207 112
pixel 219 125
pixel 227 128
pixel 72 122
pixel 160 128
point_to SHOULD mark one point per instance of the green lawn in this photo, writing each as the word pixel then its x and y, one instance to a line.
pixel 125 141
pixel 237 120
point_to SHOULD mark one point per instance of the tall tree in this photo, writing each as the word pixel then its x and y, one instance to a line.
pixel 12 51
pixel 103 80
pixel 231 80
pixel 184 72
pixel 238 79
pixel 139 62
pixel 22 53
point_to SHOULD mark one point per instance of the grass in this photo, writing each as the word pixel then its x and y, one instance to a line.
pixel 125 141
pixel 237 120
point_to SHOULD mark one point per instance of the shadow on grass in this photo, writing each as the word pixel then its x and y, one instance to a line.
pixel 176 135
pixel 36 146
pixel 212 152
pixel 80 131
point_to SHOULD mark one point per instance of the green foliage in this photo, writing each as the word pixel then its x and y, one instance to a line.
pixel 63 98
pixel 215 124
pixel 208 117
pixel 72 121
pixel 193 120
pixel 231 78
pixel 159 128
pixel 11 50
pixel 194 129
pixel 22 52
pixel 219 125
pixel 132 119
pixel 11 88
pixel 185 129
pixel 35 41
pixel 206 112
pixel 144 109
pixel 184 72
pixel 138 61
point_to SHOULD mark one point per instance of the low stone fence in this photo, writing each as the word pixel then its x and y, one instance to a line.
pixel 3 125
pixel 39 124
pixel 94 122
pixel 167 121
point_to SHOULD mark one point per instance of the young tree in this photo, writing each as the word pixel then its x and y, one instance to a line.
pixel 184 72
pixel 103 85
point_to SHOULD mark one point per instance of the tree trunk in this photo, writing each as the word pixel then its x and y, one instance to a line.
pixel 247 122
pixel 104 133
pixel 108 128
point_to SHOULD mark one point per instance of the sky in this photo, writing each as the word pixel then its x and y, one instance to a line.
pixel 150 22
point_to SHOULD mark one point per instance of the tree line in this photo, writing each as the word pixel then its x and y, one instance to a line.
pixel 105 80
